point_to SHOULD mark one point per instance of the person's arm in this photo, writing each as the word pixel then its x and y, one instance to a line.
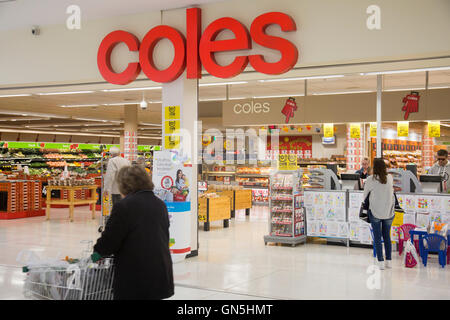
pixel 116 230
pixel 367 187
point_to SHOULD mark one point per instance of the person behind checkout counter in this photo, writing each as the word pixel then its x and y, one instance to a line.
pixel 442 166
pixel 364 172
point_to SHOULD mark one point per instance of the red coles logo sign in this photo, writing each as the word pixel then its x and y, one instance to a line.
pixel 411 103
pixel 197 50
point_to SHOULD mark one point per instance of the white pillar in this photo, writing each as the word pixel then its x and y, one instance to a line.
pixel 184 92
pixel 379 88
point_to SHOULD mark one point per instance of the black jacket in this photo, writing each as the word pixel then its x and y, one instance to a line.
pixel 137 233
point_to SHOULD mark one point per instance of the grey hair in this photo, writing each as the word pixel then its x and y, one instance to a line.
pixel 134 178
pixel 114 151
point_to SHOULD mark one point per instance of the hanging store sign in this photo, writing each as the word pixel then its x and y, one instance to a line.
pixel 289 107
pixel 197 50
pixel 434 129
pixel 402 129
pixel 373 129
pixel 328 130
pixel 355 130
pixel 411 103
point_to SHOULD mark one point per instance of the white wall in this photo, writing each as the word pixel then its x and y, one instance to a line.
pixel 320 150
pixel 328 32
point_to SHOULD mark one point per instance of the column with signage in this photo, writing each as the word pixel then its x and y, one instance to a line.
pixel 355 146
pixel 130 126
pixel 179 134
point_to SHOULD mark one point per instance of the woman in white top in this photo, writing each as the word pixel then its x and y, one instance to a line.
pixel 381 209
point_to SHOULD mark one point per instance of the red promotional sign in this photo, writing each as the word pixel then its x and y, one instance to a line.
pixel 411 103
pixel 292 143
pixel 196 49
pixel 289 107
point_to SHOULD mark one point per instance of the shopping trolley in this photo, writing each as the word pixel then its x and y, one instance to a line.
pixel 75 280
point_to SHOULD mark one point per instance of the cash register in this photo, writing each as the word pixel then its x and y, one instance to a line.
pixel 431 183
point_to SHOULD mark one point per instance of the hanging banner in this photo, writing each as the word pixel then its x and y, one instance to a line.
pixel 434 129
pixel 373 129
pixel 171 179
pixel 402 129
pixel 328 130
pixel 355 130
pixel 287 162
pixel 171 142
pixel 171 126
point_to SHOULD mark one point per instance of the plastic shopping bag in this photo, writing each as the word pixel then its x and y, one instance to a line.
pixel 411 257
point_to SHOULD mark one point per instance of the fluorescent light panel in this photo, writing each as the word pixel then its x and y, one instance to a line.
pixel 303 78
pixel 15 95
pixel 131 89
pixel 79 105
pixel 62 93
pixel 404 71
pixel 220 83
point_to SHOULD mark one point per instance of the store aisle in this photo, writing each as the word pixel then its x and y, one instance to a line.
pixel 234 263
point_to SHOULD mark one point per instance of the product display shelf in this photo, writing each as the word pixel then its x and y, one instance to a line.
pixel 256 178
pixel 287 217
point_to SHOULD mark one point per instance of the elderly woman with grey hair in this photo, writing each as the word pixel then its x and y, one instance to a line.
pixel 137 234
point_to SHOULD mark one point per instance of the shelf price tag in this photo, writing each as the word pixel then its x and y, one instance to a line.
pixel 287 162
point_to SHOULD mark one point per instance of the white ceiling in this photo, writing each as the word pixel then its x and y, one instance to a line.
pixel 16 14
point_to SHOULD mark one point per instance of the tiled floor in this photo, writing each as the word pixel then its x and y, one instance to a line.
pixel 234 263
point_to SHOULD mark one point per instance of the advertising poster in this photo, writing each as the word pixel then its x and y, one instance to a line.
pixel 171 179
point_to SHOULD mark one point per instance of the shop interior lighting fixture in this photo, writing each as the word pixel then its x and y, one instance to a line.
pixel 303 78
pixel 340 92
pixel 131 89
pixel 15 95
pixel 213 99
pixel 61 93
pixel 279 96
pixel 404 71
pixel 79 105
pixel 221 83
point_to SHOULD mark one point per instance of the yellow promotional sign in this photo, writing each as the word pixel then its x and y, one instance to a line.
pixel 355 131
pixel 434 129
pixel 171 142
pixel 287 162
pixel 328 130
pixel 402 129
pixel 171 126
pixel 172 112
pixel 373 129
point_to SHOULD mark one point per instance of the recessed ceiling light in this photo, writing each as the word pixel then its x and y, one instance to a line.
pixel 79 105
pixel 220 83
pixel 131 89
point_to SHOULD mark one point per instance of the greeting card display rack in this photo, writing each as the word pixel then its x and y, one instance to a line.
pixel 287 216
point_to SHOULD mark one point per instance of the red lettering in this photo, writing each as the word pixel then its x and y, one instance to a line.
pixel 193 34
pixel 146 54
pixel 289 53
pixel 200 50
pixel 104 58
pixel 209 46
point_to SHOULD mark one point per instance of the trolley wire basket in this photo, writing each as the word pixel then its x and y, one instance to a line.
pixel 56 279
pixel 82 280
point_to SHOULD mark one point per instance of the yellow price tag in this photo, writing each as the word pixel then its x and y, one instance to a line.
pixel 172 112
pixel 328 130
pixel 434 129
pixel 287 162
pixel 402 128
pixel 171 126
pixel 355 130
pixel 373 129
pixel 171 142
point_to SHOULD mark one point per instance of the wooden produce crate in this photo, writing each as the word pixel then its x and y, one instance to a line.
pixel 243 200
pixel 214 209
